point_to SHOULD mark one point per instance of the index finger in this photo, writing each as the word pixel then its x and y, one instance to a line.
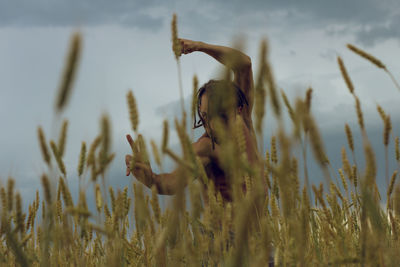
pixel 130 140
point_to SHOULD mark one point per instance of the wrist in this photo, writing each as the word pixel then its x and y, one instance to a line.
pixel 152 179
pixel 200 46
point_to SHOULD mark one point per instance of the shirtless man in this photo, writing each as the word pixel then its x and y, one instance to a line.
pixel 207 147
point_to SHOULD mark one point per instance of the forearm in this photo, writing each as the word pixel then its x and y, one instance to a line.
pixel 163 182
pixel 230 57
pixel 166 183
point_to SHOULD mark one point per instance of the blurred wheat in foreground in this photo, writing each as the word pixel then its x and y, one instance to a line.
pixel 339 222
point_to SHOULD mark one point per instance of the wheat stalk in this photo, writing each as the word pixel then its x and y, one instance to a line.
pixel 367 56
pixel 349 136
pixel 387 130
pixel 58 158
pixel 82 158
pixel 43 146
pixel 62 138
pixel 176 47
pixel 91 155
pixel 390 189
pixel 46 188
pixel 133 112
pixel 99 199
pixel 308 99
pixel 271 84
pixel 18 213
pixel 374 61
pixel 345 75
pixel 359 114
pixel 288 106
pixel 10 193
pixel 260 92
pixel 70 70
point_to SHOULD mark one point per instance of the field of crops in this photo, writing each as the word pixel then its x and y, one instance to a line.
pixel 279 219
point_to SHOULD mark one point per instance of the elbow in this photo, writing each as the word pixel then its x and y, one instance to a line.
pixel 165 185
pixel 247 62
pixel 169 183
pixel 163 190
pixel 244 63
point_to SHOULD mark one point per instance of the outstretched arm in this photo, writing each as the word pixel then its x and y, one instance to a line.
pixel 239 62
pixel 166 183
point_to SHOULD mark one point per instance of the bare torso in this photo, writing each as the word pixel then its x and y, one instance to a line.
pixel 215 171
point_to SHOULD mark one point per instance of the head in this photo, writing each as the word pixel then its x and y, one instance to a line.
pixel 218 99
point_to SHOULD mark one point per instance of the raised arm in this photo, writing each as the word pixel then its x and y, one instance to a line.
pixel 166 183
pixel 239 62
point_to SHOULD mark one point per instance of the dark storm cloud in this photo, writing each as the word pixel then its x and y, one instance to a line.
pixel 78 12
pixel 369 20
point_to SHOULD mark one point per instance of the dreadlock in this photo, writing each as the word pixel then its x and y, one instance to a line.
pixel 222 96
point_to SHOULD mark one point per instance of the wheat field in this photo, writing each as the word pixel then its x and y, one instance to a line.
pixel 279 219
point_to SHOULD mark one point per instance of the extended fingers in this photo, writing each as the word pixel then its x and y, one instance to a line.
pixel 128 159
pixel 130 140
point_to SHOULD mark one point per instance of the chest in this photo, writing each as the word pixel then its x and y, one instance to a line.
pixel 216 174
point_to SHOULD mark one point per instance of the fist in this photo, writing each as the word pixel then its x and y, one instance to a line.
pixel 188 46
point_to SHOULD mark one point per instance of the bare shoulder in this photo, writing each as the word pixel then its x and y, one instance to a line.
pixel 204 149
pixel 203 146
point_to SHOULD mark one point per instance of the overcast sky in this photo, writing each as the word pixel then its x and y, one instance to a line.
pixel 127 45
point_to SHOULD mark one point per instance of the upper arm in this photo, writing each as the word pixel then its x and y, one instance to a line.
pixel 243 77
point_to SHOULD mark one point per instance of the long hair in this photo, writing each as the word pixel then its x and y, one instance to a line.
pixel 222 96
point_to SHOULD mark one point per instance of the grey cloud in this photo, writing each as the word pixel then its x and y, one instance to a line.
pixel 375 33
pixel 361 11
pixel 371 32
pixel 76 13
pixel 329 54
pixel 368 20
